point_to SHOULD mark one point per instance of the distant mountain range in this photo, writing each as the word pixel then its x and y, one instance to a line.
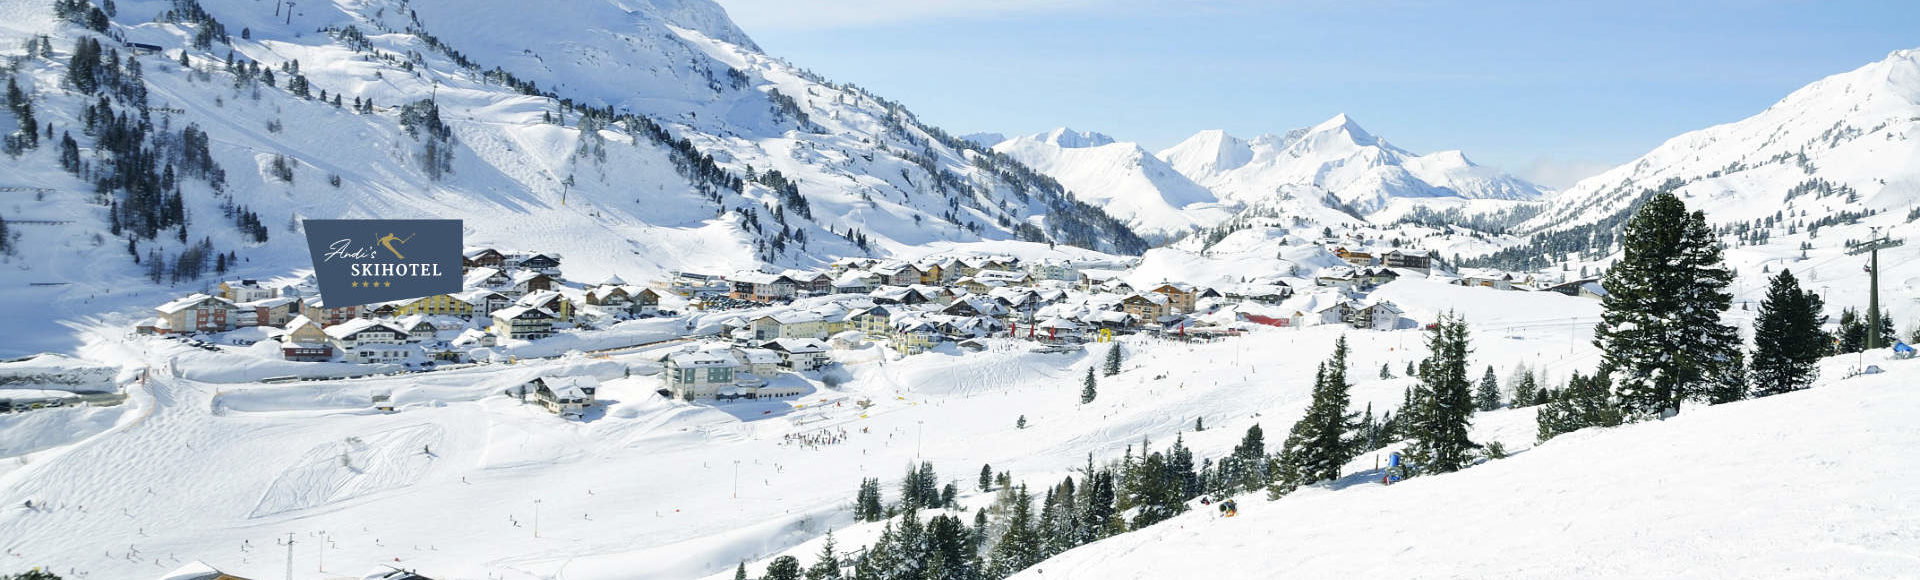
pixel 1207 178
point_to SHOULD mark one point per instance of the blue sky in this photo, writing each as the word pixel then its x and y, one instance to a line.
pixel 1549 90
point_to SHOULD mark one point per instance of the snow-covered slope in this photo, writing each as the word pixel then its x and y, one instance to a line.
pixel 1121 178
pixel 643 487
pixel 1806 485
pixel 1340 159
pixel 1860 129
pixel 1792 187
pixel 670 171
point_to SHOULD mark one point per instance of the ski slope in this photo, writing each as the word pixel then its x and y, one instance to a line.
pixel 1812 484
pixel 644 487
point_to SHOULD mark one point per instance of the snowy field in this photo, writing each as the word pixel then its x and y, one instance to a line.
pixel 644 487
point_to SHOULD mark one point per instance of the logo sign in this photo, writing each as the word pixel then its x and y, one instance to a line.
pixel 366 261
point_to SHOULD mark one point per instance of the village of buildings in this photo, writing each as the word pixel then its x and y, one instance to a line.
pixel 779 329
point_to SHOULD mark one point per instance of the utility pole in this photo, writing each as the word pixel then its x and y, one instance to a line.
pixel 736 479
pixel 536 518
pixel 289 555
pixel 1872 248
pixel 289 12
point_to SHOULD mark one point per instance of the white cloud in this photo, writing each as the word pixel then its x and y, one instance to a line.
pixel 755 15
pixel 1561 173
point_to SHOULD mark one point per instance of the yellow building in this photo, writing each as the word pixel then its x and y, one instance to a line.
pixel 436 305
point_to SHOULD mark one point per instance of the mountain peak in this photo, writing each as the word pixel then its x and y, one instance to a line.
pixel 1342 124
pixel 1208 152
pixel 1071 139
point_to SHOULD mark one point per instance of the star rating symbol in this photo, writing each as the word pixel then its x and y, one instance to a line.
pixel 372 284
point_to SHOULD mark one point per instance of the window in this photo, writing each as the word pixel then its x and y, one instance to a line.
pixel 720 375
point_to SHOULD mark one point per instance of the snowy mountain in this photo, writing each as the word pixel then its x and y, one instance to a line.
pixel 633 137
pixel 1121 178
pixel 1792 187
pixel 1338 158
pixel 1859 130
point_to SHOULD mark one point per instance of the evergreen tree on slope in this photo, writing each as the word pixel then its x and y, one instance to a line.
pixel 1487 398
pixel 1322 441
pixel 1787 340
pixel 1661 330
pixel 1442 406
pixel 1087 391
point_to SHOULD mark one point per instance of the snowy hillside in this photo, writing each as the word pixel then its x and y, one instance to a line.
pixel 1338 158
pixel 1792 187
pixel 1796 486
pixel 632 137
pixel 1856 129
pixel 1122 178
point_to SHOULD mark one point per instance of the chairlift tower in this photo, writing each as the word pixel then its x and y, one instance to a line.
pixel 1872 248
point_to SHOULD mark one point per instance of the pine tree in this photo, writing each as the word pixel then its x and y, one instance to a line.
pixel 1113 360
pixel 1087 392
pixel 1386 372
pixel 1787 340
pixel 1852 334
pixel 1442 405
pixel 1322 441
pixel 883 559
pixel 1246 467
pixel 740 573
pixel 1524 389
pixel 827 565
pixel 783 568
pixel 1020 423
pixel 986 477
pixel 1586 402
pixel 1729 382
pixel 1411 371
pixel 22 107
pixel 1488 397
pixel 1019 547
pixel 867 506
pixel 1661 330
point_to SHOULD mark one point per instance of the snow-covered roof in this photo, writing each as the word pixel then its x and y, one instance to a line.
pixel 796 345
pixel 478 277
pixel 358 325
pixel 756 277
pixel 759 356
pixel 274 302
pixel 1154 297
pixel 512 312
pixel 578 382
pixel 793 317
pixel 477 295
pixel 693 357
pixel 538 298
pixel 192 301
pixel 195 570
pixel 853 279
pixel 300 320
